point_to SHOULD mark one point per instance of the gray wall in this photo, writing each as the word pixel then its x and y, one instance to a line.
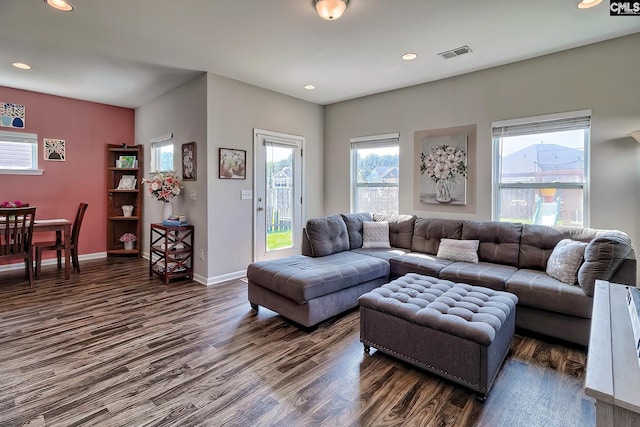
pixel 602 77
pixel 183 112
pixel 234 110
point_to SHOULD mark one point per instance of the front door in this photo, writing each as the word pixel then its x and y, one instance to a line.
pixel 278 194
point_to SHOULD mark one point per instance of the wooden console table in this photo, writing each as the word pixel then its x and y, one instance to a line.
pixel 171 251
pixel 613 373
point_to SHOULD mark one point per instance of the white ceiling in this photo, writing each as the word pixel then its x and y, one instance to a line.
pixel 127 52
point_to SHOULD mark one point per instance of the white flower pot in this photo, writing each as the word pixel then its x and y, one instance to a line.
pixel 129 245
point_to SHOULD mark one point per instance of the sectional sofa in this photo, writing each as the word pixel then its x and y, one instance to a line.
pixel 552 270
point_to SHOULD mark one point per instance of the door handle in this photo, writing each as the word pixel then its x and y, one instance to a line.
pixel 260 209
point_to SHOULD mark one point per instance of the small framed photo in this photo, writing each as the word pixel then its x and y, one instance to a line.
pixel 127 162
pixel 233 164
pixel 127 182
pixel 189 162
pixel 54 149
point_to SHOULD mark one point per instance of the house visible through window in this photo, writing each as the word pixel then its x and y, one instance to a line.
pixel 162 154
pixel 541 169
pixel 375 173
pixel 18 152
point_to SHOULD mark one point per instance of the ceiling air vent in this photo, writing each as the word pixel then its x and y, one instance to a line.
pixel 455 52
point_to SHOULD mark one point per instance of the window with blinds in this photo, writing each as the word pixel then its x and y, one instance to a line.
pixel 18 151
pixel 541 169
pixel 375 172
pixel 162 154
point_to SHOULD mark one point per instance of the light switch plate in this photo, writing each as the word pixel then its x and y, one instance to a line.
pixel 192 195
pixel 246 195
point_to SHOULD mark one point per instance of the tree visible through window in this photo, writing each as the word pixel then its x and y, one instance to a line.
pixel 541 169
pixel 375 174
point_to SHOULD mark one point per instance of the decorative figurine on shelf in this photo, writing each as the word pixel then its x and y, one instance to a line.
pixel 128 239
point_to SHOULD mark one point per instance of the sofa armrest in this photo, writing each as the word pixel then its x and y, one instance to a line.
pixel 626 273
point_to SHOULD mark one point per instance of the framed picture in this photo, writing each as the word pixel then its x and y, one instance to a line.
pixel 443 169
pixel 127 182
pixel 189 164
pixel 54 149
pixel 233 164
pixel 127 162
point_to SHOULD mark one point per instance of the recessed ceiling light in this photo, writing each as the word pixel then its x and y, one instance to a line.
pixel 309 87
pixel 586 4
pixel 21 65
pixel 409 56
pixel 62 5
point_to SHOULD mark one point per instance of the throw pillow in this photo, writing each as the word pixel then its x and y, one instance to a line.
pixel 565 260
pixel 459 250
pixel 375 234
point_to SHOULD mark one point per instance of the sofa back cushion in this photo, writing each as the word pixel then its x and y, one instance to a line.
pixel 354 227
pixel 499 241
pixel 428 232
pixel 327 235
pixel 400 229
pixel 602 257
pixel 538 241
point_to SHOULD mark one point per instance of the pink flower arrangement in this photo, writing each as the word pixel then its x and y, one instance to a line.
pixel 7 204
pixel 164 186
pixel 128 237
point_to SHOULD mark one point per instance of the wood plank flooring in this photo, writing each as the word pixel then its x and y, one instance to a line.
pixel 112 347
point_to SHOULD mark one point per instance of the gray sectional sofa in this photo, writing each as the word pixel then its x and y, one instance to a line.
pixel 335 269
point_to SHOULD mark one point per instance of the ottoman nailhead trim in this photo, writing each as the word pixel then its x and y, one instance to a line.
pixel 426 365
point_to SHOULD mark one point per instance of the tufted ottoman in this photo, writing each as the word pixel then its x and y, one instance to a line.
pixel 457 331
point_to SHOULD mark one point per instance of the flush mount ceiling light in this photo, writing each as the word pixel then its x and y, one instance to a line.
pixel 409 56
pixel 21 65
pixel 62 5
pixel 586 4
pixel 330 9
pixel 309 87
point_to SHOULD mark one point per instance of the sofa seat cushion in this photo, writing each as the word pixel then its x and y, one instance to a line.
pixel 484 274
pixel 416 262
pixel 470 312
pixel 302 278
pixel 385 254
pixel 536 289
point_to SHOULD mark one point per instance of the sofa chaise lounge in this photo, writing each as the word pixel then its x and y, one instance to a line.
pixel 338 265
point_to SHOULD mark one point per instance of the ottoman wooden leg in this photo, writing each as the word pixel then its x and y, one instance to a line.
pixel 367 349
pixel 254 306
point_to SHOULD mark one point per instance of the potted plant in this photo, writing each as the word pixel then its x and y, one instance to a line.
pixel 128 239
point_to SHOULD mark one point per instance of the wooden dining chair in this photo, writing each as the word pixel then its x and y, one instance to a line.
pixel 16 232
pixel 58 244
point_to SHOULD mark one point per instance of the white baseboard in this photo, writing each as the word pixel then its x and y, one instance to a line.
pixel 52 261
pixel 208 281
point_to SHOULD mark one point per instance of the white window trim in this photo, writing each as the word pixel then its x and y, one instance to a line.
pixel 27 138
pixel 495 173
pixel 159 142
pixel 373 141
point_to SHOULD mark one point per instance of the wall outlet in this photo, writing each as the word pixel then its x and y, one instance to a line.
pixel 246 195
pixel 201 254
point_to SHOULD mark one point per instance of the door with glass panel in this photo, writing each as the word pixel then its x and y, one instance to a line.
pixel 278 195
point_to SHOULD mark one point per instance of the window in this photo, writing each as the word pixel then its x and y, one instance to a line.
pixel 18 153
pixel 374 174
pixel 541 169
pixel 162 154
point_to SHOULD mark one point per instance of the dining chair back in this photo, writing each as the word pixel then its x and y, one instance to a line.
pixel 58 244
pixel 16 232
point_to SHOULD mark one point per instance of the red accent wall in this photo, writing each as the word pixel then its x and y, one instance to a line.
pixel 86 127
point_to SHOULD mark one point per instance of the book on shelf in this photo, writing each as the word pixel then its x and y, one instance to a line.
pixel 633 303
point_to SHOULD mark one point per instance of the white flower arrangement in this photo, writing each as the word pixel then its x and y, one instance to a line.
pixel 444 162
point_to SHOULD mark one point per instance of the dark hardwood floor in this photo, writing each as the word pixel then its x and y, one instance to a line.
pixel 112 347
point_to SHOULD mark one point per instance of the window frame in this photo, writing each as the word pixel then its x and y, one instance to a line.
pixel 373 141
pixel 156 144
pixel 23 138
pixel 538 125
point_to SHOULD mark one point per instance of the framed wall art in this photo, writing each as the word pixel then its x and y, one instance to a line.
pixel 189 162
pixel 54 149
pixel 233 163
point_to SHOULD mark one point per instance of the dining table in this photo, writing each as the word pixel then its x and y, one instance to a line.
pixel 62 227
